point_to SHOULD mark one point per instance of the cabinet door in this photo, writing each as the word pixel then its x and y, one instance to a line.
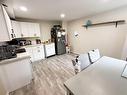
pixel 37 30
pixel 4 35
pixel 31 29
pixel 30 52
pixel 37 53
pixel 8 23
pixel 42 52
pixel 16 29
pixel 24 29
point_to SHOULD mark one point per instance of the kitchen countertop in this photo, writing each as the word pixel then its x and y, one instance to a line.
pixel 33 45
pixel 19 57
pixel 38 45
pixel 49 43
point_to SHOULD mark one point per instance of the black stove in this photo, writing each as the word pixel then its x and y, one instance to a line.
pixel 7 52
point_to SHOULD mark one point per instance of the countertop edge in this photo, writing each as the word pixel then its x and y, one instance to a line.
pixel 8 61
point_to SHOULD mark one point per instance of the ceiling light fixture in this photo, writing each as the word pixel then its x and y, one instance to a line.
pixel 105 0
pixel 62 15
pixel 22 8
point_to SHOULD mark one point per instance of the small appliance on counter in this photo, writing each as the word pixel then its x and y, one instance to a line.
pixel 20 42
pixel 7 52
pixel 20 50
pixel 38 41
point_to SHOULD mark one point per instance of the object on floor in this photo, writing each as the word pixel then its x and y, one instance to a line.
pixel 76 67
pixel 68 49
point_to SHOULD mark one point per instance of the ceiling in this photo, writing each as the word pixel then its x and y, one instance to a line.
pixel 74 9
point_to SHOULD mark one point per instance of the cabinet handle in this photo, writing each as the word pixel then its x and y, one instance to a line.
pixel 12 36
pixel 12 30
pixel 35 35
pixel 38 50
pixel 21 35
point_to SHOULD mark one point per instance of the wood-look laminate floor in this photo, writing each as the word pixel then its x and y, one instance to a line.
pixel 49 76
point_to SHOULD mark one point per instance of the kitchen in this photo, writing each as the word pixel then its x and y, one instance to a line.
pixel 53 47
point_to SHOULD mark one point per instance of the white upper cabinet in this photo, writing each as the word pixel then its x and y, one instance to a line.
pixel 8 22
pixel 4 33
pixel 16 29
pixel 37 30
pixel 30 29
pixel 33 29
pixel 24 29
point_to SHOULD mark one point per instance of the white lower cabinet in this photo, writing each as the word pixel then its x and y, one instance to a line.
pixel 16 74
pixel 30 52
pixel 36 52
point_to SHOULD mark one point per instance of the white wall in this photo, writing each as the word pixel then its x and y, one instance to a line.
pixel 65 26
pixel 107 38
